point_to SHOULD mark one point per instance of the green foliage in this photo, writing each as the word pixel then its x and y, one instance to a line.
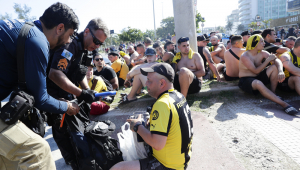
pixel 266 23
pixel 240 28
pixel 198 19
pixel 131 35
pixel 23 13
pixel 149 33
pixel 221 29
pixel 253 25
pixel 229 26
pixel 167 26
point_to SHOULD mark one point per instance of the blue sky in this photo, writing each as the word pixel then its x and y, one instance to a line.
pixel 119 14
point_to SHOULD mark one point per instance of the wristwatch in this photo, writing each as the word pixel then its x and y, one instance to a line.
pixel 136 127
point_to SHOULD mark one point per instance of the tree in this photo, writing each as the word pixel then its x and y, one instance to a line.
pixel 266 23
pixel 229 26
pixel 130 34
pixel 253 25
pixel 221 29
pixel 149 33
pixel 240 28
pixel 23 13
pixel 198 18
pixel 167 26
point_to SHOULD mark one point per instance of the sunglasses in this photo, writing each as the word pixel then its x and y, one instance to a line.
pixel 183 39
pixel 98 59
pixel 95 40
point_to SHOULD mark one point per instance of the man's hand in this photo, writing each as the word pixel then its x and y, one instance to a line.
pixel 133 122
pixel 73 108
pixel 271 58
pixel 127 83
pixel 281 77
pixel 88 96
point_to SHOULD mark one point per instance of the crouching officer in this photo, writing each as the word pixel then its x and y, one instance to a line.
pixel 66 72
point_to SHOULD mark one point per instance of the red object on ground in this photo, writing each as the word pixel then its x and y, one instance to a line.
pixel 99 108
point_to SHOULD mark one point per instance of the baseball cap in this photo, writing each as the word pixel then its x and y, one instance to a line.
pixel 206 37
pixel 150 51
pixel 163 69
pixel 201 38
pixel 245 33
pixel 257 32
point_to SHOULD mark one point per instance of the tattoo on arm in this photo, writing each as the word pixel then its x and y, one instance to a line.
pixel 208 56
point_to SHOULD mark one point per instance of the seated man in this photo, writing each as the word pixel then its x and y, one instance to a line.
pixel 230 69
pixel 217 50
pixel 105 71
pixel 291 64
pixel 188 67
pixel 254 75
pixel 119 66
pixel 139 80
pixel 269 36
pixel 246 35
pixel 205 54
pixel 290 42
pixel 171 142
pixel 162 55
pixel 126 57
pixel 140 59
pixel 95 82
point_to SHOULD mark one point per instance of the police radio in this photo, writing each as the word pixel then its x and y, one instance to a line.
pixel 86 59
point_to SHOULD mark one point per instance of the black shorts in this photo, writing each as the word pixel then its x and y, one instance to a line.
pixel 284 86
pixel 121 82
pixel 152 163
pixel 195 86
pixel 245 83
pixel 228 78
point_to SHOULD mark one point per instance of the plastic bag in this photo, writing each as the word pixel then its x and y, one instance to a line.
pixel 130 147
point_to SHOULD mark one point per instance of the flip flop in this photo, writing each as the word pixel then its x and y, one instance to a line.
pixel 126 101
pixel 290 110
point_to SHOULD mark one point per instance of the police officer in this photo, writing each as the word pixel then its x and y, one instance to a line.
pixel 20 148
pixel 66 71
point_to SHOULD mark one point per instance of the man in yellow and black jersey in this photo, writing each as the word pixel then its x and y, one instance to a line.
pixel 291 65
pixel 119 66
pixel 171 126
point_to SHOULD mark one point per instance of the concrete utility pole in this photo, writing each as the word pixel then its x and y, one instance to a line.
pixel 154 20
pixel 185 23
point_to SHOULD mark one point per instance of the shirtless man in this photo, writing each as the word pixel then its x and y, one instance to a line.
pixel 217 50
pixel 290 42
pixel 230 69
pixel 140 59
pixel 291 69
pixel 205 54
pixel 254 75
pixel 188 67
pixel 162 55
pixel 269 36
pixel 132 53
pixel 139 79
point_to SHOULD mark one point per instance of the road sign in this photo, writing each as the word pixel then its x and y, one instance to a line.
pixel 258 23
pixel 202 25
pixel 112 31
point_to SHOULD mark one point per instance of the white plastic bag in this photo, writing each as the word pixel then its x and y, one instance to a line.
pixel 131 149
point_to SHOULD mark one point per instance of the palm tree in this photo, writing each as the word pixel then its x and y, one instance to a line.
pixel 229 26
pixel 240 28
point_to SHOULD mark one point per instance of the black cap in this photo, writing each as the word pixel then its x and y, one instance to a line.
pixel 245 33
pixel 150 51
pixel 201 38
pixel 257 32
pixel 278 40
pixel 206 37
pixel 164 69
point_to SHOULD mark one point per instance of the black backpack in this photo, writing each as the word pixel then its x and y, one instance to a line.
pixel 103 148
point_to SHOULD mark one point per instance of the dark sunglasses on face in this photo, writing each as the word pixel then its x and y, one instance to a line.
pixel 183 39
pixel 95 40
pixel 98 59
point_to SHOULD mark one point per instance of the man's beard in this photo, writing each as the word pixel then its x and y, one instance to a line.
pixel 59 43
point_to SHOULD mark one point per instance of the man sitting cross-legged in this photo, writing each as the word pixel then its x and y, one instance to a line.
pixel 171 127
pixel 139 80
pixel 188 67
pixel 254 75
pixel 230 69
pixel 217 50
pixel 291 64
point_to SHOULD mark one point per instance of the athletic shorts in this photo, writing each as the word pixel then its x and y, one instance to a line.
pixel 245 83
pixel 121 82
pixel 228 78
pixel 195 86
pixel 152 163
pixel 284 86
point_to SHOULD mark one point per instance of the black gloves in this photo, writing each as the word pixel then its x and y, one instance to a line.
pixel 88 96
